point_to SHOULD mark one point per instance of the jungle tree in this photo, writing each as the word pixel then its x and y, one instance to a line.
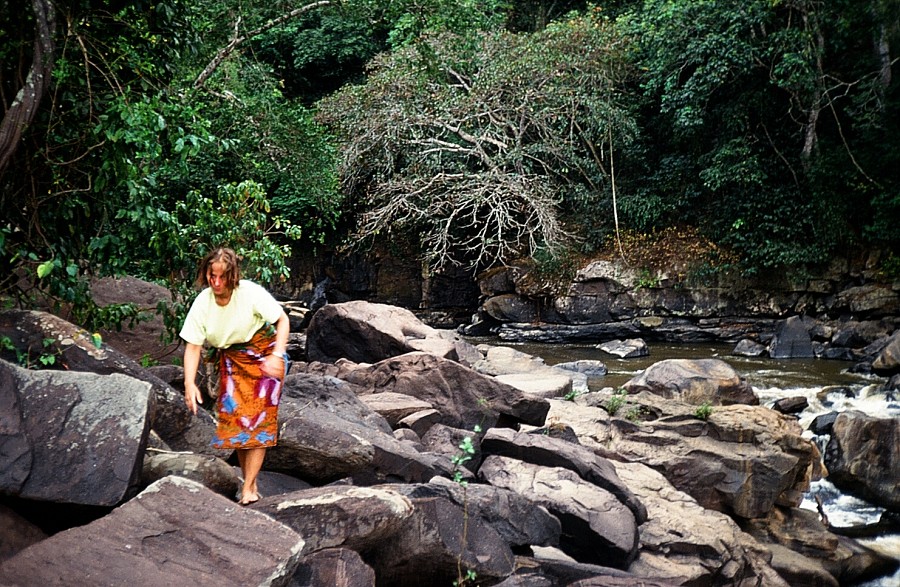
pixel 480 150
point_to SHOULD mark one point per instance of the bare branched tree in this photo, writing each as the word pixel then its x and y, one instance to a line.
pixel 470 217
pixel 476 147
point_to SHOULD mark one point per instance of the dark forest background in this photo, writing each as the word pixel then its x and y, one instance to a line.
pixel 136 135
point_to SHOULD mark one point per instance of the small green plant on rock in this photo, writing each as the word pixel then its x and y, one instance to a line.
pixel 703 411
pixel 572 395
pixel 148 361
pixel 468 579
pixel 467 452
pixel 634 413
pixel 647 279
pixel 617 400
pixel 46 358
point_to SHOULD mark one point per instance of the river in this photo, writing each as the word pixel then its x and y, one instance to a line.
pixel 772 380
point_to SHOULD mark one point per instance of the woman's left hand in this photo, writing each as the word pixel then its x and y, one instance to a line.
pixel 273 365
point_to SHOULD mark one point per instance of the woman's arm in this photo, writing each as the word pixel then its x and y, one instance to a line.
pixel 273 366
pixel 192 395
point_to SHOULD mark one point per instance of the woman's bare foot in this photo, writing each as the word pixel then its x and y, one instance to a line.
pixel 249 497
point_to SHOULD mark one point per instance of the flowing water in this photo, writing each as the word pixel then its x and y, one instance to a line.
pixel 827 385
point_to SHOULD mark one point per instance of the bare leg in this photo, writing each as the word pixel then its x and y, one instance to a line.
pixel 251 460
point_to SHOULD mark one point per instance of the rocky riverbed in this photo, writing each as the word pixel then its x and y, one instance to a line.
pixel 408 456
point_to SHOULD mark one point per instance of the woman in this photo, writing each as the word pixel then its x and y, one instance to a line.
pixel 248 331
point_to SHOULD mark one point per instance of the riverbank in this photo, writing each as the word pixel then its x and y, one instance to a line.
pixel 828 386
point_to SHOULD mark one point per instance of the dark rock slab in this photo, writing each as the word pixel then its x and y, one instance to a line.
pixel 75 350
pixel 319 446
pixel 334 567
pixel 803 532
pixel 211 472
pixel 792 339
pixel 887 362
pixel 464 397
pixel 791 405
pixel 749 348
pixel 547 572
pixel 176 532
pixel 862 457
pixel 314 388
pixel 437 543
pixel 16 533
pixel 316 445
pixel 520 521
pixel 394 406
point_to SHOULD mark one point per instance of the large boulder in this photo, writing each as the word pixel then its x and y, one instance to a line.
pixel 511 308
pixel 741 460
pixel 520 521
pixel 318 445
pixel 175 532
pixel 341 516
pixel 337 567
pixel 547 570
pixel 862 456
pixel 211 472
pixel 464 397
pixel 71 437
pixel 687 544
pixel 792 339
pixel 367 333
pixel 143 338
pixel 824 553
pixel 75 349
pixel 887 362
pixel 544 450
pixel 596 527
pixel 528 373
pixel 694 382
pixel 440 542
pixel 331 394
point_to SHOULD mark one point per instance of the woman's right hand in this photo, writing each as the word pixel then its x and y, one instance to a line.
pixel 192 397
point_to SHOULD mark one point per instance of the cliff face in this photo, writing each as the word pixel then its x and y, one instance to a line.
pixel 602 291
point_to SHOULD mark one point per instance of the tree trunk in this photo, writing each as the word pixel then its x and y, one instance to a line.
pixel 883 49
pixel 25 105
pixel 815 107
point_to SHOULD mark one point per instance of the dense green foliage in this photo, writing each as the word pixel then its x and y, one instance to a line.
pixel 476 129
pixel 773 118
pixel 128 166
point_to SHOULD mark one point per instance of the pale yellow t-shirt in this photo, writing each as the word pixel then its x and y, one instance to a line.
pixel 250 307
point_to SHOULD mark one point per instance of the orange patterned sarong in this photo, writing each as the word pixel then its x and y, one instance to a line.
pixel 247 406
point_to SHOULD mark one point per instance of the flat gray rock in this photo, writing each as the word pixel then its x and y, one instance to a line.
pixel 72 437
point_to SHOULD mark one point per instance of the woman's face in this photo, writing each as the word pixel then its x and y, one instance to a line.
pixel 216 277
